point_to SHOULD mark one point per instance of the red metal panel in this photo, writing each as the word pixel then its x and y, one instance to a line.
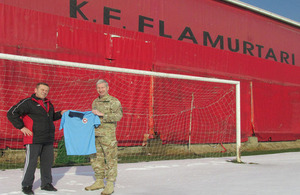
pixel 25 26
pixel 88 41
pixel 276 110
pixel 122 51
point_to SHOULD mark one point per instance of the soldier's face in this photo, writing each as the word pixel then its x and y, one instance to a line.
pixel 102 89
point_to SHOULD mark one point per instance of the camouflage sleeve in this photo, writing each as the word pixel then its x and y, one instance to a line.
pixel 93 105
pixel 116 112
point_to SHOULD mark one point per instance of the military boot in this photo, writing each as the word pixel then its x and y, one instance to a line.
pixel 109 188
pixel 99 184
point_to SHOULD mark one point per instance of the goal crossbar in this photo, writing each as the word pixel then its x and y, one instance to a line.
pixel 140 72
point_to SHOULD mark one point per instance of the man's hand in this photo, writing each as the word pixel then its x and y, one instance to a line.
pixel 63 111
pixel 96 112
pixel 26 131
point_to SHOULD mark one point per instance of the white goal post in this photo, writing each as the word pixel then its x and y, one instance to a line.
pixel 11 57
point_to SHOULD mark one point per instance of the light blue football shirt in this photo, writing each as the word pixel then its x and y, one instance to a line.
pixel 79 132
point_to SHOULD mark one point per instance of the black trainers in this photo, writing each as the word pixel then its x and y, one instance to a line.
pixel 27 190
pixel 49 187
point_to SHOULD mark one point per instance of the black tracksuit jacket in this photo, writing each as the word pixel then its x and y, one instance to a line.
pixel 33 114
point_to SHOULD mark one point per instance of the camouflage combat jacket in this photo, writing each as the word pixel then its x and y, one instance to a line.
pixel 112 110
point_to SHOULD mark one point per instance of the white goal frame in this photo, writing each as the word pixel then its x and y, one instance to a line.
pixel 141 72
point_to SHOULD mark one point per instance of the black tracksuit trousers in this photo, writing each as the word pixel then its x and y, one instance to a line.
pixel 46 154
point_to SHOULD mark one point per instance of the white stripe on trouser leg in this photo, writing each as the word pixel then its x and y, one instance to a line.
pixel 27 158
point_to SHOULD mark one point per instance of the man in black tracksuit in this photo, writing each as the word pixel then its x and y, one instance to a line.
pixel 34 116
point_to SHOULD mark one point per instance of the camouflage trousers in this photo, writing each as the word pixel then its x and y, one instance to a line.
pixel 105 161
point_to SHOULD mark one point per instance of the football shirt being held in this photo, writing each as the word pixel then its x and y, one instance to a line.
pixel 79 133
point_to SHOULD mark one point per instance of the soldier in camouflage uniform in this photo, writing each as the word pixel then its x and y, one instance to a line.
pixel 104 162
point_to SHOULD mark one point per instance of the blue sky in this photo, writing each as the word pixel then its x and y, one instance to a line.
pixel 287 8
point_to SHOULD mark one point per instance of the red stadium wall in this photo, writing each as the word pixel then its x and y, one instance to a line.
pixel 212 23
pixel 274 112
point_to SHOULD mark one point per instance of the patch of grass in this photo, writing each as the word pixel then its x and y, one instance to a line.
pixel 4 166
pixel 140 158
pixel 262 152
pixel 158 157
pixel 63 160
pixel 235 161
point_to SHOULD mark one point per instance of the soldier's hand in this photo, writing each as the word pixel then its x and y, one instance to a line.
pixel 96 112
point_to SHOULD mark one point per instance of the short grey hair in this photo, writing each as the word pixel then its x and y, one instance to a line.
pixel 41 83
pixel 102 81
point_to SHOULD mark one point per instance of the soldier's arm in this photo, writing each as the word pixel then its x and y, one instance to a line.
pixel 116 113
pixel 95 111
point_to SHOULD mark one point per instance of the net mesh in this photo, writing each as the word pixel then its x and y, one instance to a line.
pixel 163 118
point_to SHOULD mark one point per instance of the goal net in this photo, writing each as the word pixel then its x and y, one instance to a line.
pixel 165 116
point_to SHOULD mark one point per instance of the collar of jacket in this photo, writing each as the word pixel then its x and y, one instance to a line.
pixel 41 102
pixel 104 98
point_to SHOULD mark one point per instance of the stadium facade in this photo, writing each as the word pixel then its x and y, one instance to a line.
pixel 209 38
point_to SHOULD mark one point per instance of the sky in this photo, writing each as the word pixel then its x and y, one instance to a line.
pixel 286 8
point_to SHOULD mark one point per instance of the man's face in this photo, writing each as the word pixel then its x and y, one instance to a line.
pixel 41 91
pixel 102 89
